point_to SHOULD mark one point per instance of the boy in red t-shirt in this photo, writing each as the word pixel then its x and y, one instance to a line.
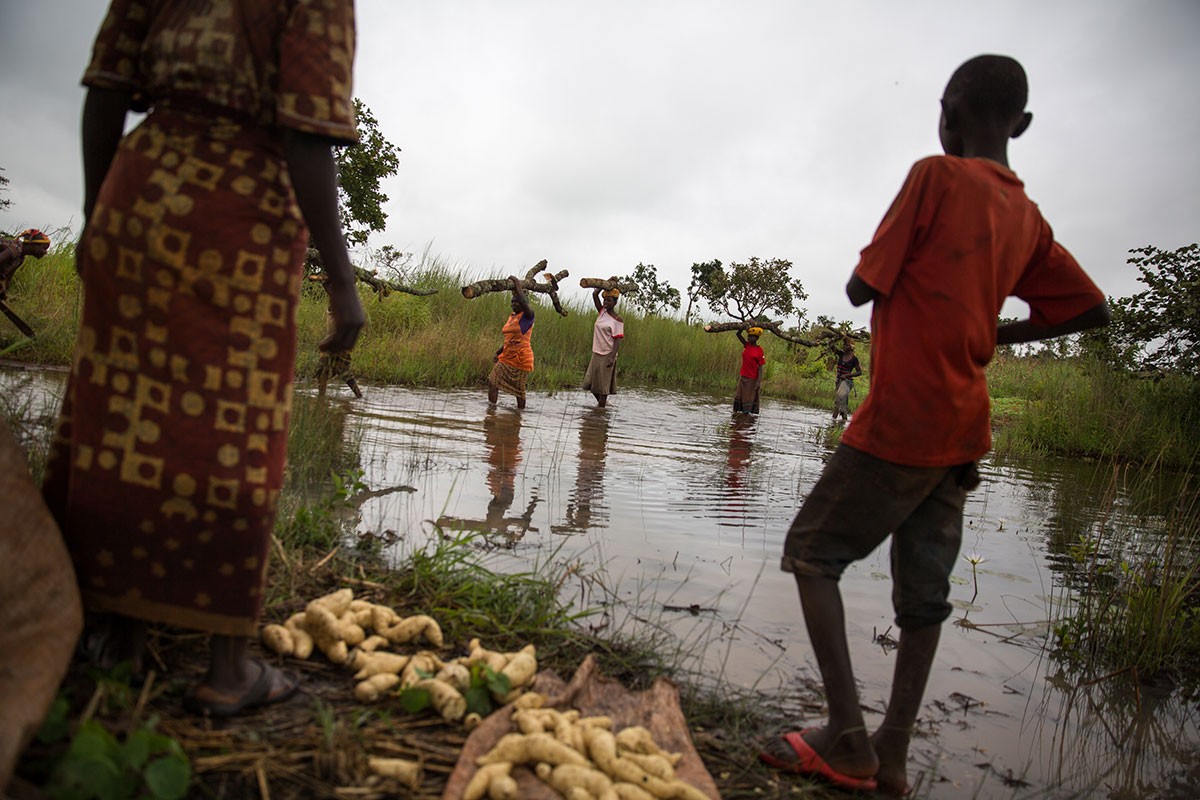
pixel 960 238
pixel 745 397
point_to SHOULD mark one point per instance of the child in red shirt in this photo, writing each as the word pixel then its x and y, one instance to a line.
pixel 960 238
pixel 745 397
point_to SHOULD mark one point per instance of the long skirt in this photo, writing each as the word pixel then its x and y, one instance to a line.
pixel 508 379
pixel 841 397
pixel 745 397
pixel 601 375
pixel 169 453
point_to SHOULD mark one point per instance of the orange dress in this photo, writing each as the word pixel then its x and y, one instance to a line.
pixel 169 454
pixel 515 361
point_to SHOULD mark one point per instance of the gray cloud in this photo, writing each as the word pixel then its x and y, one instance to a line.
pixel 603 135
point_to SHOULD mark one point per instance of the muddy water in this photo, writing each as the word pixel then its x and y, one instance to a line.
pixel 679 511
pixel 681 508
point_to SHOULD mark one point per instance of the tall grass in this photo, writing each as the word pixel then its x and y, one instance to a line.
pixel 1082 408
pixel 1136 599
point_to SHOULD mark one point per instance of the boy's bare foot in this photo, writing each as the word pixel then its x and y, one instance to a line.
pixel 891 746
pixel 848 753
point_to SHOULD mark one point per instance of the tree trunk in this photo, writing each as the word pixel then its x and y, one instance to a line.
pixel 821 337
pixel 548 286
pixel 605 283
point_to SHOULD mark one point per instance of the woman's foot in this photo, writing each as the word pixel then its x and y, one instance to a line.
pixel 259 684
pixel 112 639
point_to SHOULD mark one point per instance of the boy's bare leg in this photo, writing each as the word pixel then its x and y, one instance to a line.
pixel 843 742
pixel 493 395
pixel 914 658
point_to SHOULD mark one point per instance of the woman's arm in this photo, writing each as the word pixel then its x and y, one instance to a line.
pixel 596 300
pixel 314 177
pixel 103 126
pixel 520 296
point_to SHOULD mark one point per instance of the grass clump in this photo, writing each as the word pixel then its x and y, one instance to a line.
pixel 1135 599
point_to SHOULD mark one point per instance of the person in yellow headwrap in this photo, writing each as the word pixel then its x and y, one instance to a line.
pixel 31 242
pixel 607 334
pixel 745 398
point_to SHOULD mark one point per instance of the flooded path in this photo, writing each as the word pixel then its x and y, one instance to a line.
pixel 682 507
pixel 680 510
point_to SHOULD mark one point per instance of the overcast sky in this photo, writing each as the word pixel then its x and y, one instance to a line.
pixel 600 135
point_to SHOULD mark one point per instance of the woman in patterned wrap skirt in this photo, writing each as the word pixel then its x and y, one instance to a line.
pixel 169 454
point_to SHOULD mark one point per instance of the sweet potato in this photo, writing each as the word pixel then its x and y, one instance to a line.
pixel 520 748
pixel 446 700
pixel 406 772
pixel 278 639
pixel 477 787
pixel 369 664
pixel 375 686
pixel 302 640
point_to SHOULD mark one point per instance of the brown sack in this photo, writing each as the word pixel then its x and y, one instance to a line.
pixel 656 709
pixel 40 611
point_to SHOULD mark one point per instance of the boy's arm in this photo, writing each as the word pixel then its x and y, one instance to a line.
pixel 859 291
pixel 596 299
pixel 740 337
pixel 1025 331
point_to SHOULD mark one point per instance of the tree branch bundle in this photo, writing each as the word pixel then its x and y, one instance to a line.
pixel 381 286
pixel 818 337
pixel 608 283
pixel 549 285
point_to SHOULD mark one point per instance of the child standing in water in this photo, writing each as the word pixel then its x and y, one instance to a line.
pixel 514 359
pixel 847 368
pixel 745 398
pixel 960 238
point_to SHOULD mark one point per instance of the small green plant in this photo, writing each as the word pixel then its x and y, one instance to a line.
pixel 486 684
pixel 96 765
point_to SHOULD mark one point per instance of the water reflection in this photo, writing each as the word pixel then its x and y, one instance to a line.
pixel 585 507
pixel 502 445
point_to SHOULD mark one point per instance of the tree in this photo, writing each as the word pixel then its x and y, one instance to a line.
pixel 1159 326
pixel 703 276
pixel 755 289
pixel 651 296
pixel 4 201
pixel 361 167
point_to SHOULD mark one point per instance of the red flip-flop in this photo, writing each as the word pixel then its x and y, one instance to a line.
pixel 809 762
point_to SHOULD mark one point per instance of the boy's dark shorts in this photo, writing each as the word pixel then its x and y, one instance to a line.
pixel 860 499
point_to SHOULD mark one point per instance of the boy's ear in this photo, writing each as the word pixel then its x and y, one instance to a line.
pixel 1022 124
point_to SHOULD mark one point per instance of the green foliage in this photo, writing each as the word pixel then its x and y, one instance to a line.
pixel 481 695
pixel 97 765
pixel 652 296
pixel 320 525
pixel 361 168
pixel 704 275
pixel 1160 325
pixel 4 201
pixel 755 289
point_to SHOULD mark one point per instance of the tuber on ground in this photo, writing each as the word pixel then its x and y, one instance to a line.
pixel 407 772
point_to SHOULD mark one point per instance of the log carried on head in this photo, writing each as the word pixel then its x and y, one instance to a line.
pixel 821 337
pixel 608 283
pixel 548 286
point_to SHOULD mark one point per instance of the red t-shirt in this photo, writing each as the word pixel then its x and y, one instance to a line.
pixel 752 361
pixel 959 238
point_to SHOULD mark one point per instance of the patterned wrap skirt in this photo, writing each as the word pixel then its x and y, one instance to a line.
pixel 508 379
pixel 169 454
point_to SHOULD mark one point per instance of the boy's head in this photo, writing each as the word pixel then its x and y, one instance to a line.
pixel 752 334
pixel 984 98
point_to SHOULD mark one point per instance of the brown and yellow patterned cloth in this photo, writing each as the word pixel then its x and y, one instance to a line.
pixel 170 450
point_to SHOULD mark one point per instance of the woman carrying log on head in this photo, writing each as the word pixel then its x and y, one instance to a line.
pixel 514 359
pixel 607 334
